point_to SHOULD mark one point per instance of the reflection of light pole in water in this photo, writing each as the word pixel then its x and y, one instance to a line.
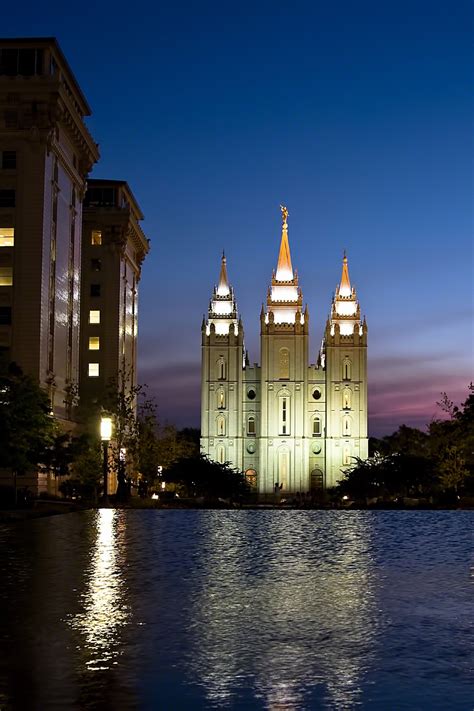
pixel 105 436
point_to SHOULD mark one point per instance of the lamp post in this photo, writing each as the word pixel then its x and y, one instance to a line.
pixel 105 436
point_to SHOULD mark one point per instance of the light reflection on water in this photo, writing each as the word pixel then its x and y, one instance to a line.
pixel 237 610
pixel 104 606
pixel 290 615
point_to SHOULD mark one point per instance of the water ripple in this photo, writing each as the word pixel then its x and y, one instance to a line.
pixel 237 610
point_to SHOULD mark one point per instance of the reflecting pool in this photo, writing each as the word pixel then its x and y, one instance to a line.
pixel 237 610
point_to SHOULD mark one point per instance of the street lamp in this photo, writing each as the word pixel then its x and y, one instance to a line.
pixel 106 436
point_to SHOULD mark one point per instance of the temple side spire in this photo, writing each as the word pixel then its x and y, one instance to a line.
pixel 284 270
pixel 345 310
pixel 345 285
pixel 223 288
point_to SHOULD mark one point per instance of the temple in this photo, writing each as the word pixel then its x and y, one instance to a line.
pixel 289 425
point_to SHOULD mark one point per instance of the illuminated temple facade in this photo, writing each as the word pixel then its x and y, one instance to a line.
pixel 289 425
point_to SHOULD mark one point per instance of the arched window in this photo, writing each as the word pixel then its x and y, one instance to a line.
pixel 346 456
pixel 346 398
pixel 251 425
pixel 221 454
pixel 284 364
pixel 346 426
pixel 221 399
pixel 221 369
pixel 284 418
pixel 316 426
pixel 221 426
pixel 251 478
pixel 346 369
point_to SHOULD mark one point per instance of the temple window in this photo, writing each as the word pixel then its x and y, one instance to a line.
pixel 251 425
pixel 284 419
pixel 346 369
pixel 221 369
pixel 221 399
pixel 316 426
pixel 284 364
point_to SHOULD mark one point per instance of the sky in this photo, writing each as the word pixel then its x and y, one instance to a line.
pixel 357 116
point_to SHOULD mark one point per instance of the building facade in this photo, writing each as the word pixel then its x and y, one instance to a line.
pixel 46 152
pixel 113 249
pixel 289 425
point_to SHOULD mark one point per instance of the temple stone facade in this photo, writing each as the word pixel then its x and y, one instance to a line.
pixel 289 425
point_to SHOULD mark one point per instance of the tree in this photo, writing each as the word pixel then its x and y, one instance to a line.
pixel 86 471
pixel 452 470
pixel 200 476
pixel 26 426
pixel 452 443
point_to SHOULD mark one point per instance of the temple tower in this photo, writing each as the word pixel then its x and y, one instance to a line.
pixel 344 357
pixel 284 373
pixel 222 369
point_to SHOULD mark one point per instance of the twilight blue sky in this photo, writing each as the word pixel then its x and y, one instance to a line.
pixel 358 116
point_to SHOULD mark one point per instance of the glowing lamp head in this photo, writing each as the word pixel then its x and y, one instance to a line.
pixel 105 429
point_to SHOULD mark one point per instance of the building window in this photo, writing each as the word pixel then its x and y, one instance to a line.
pixel 221 369
pixel 96 237
pixel 284 424
pixel 94 343
pixel 6 276
pixel 24 61
pixel 100 197
pixel 221 454
pixel 95 289
pixel 7 198
pixel 93 370
pixel 94 316
pixel 221 399
pixel 251 425
pixel 316 394
pixel 346 369
pixel 284 364
pixel 7 236
pixel 5 315
pixel 96 265
pixel 346 426
pixel 251 394
pixel 8 160
pixel 316 426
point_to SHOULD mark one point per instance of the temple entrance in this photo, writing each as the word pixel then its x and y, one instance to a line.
pixel 283 469
pixel 251 479
pixel 317 480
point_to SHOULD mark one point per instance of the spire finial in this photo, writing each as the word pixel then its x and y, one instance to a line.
pixel 284 215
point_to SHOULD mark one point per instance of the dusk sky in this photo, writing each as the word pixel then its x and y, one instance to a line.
pixel 357 116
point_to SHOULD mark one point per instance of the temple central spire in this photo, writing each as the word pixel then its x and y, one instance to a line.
pixel 345 285
pixel 284 270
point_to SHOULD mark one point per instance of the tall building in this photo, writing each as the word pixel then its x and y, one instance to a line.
pixel 113 249
pixel 286 423
pixel 46 152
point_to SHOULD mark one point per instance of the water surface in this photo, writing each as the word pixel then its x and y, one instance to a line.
pixel 237 610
